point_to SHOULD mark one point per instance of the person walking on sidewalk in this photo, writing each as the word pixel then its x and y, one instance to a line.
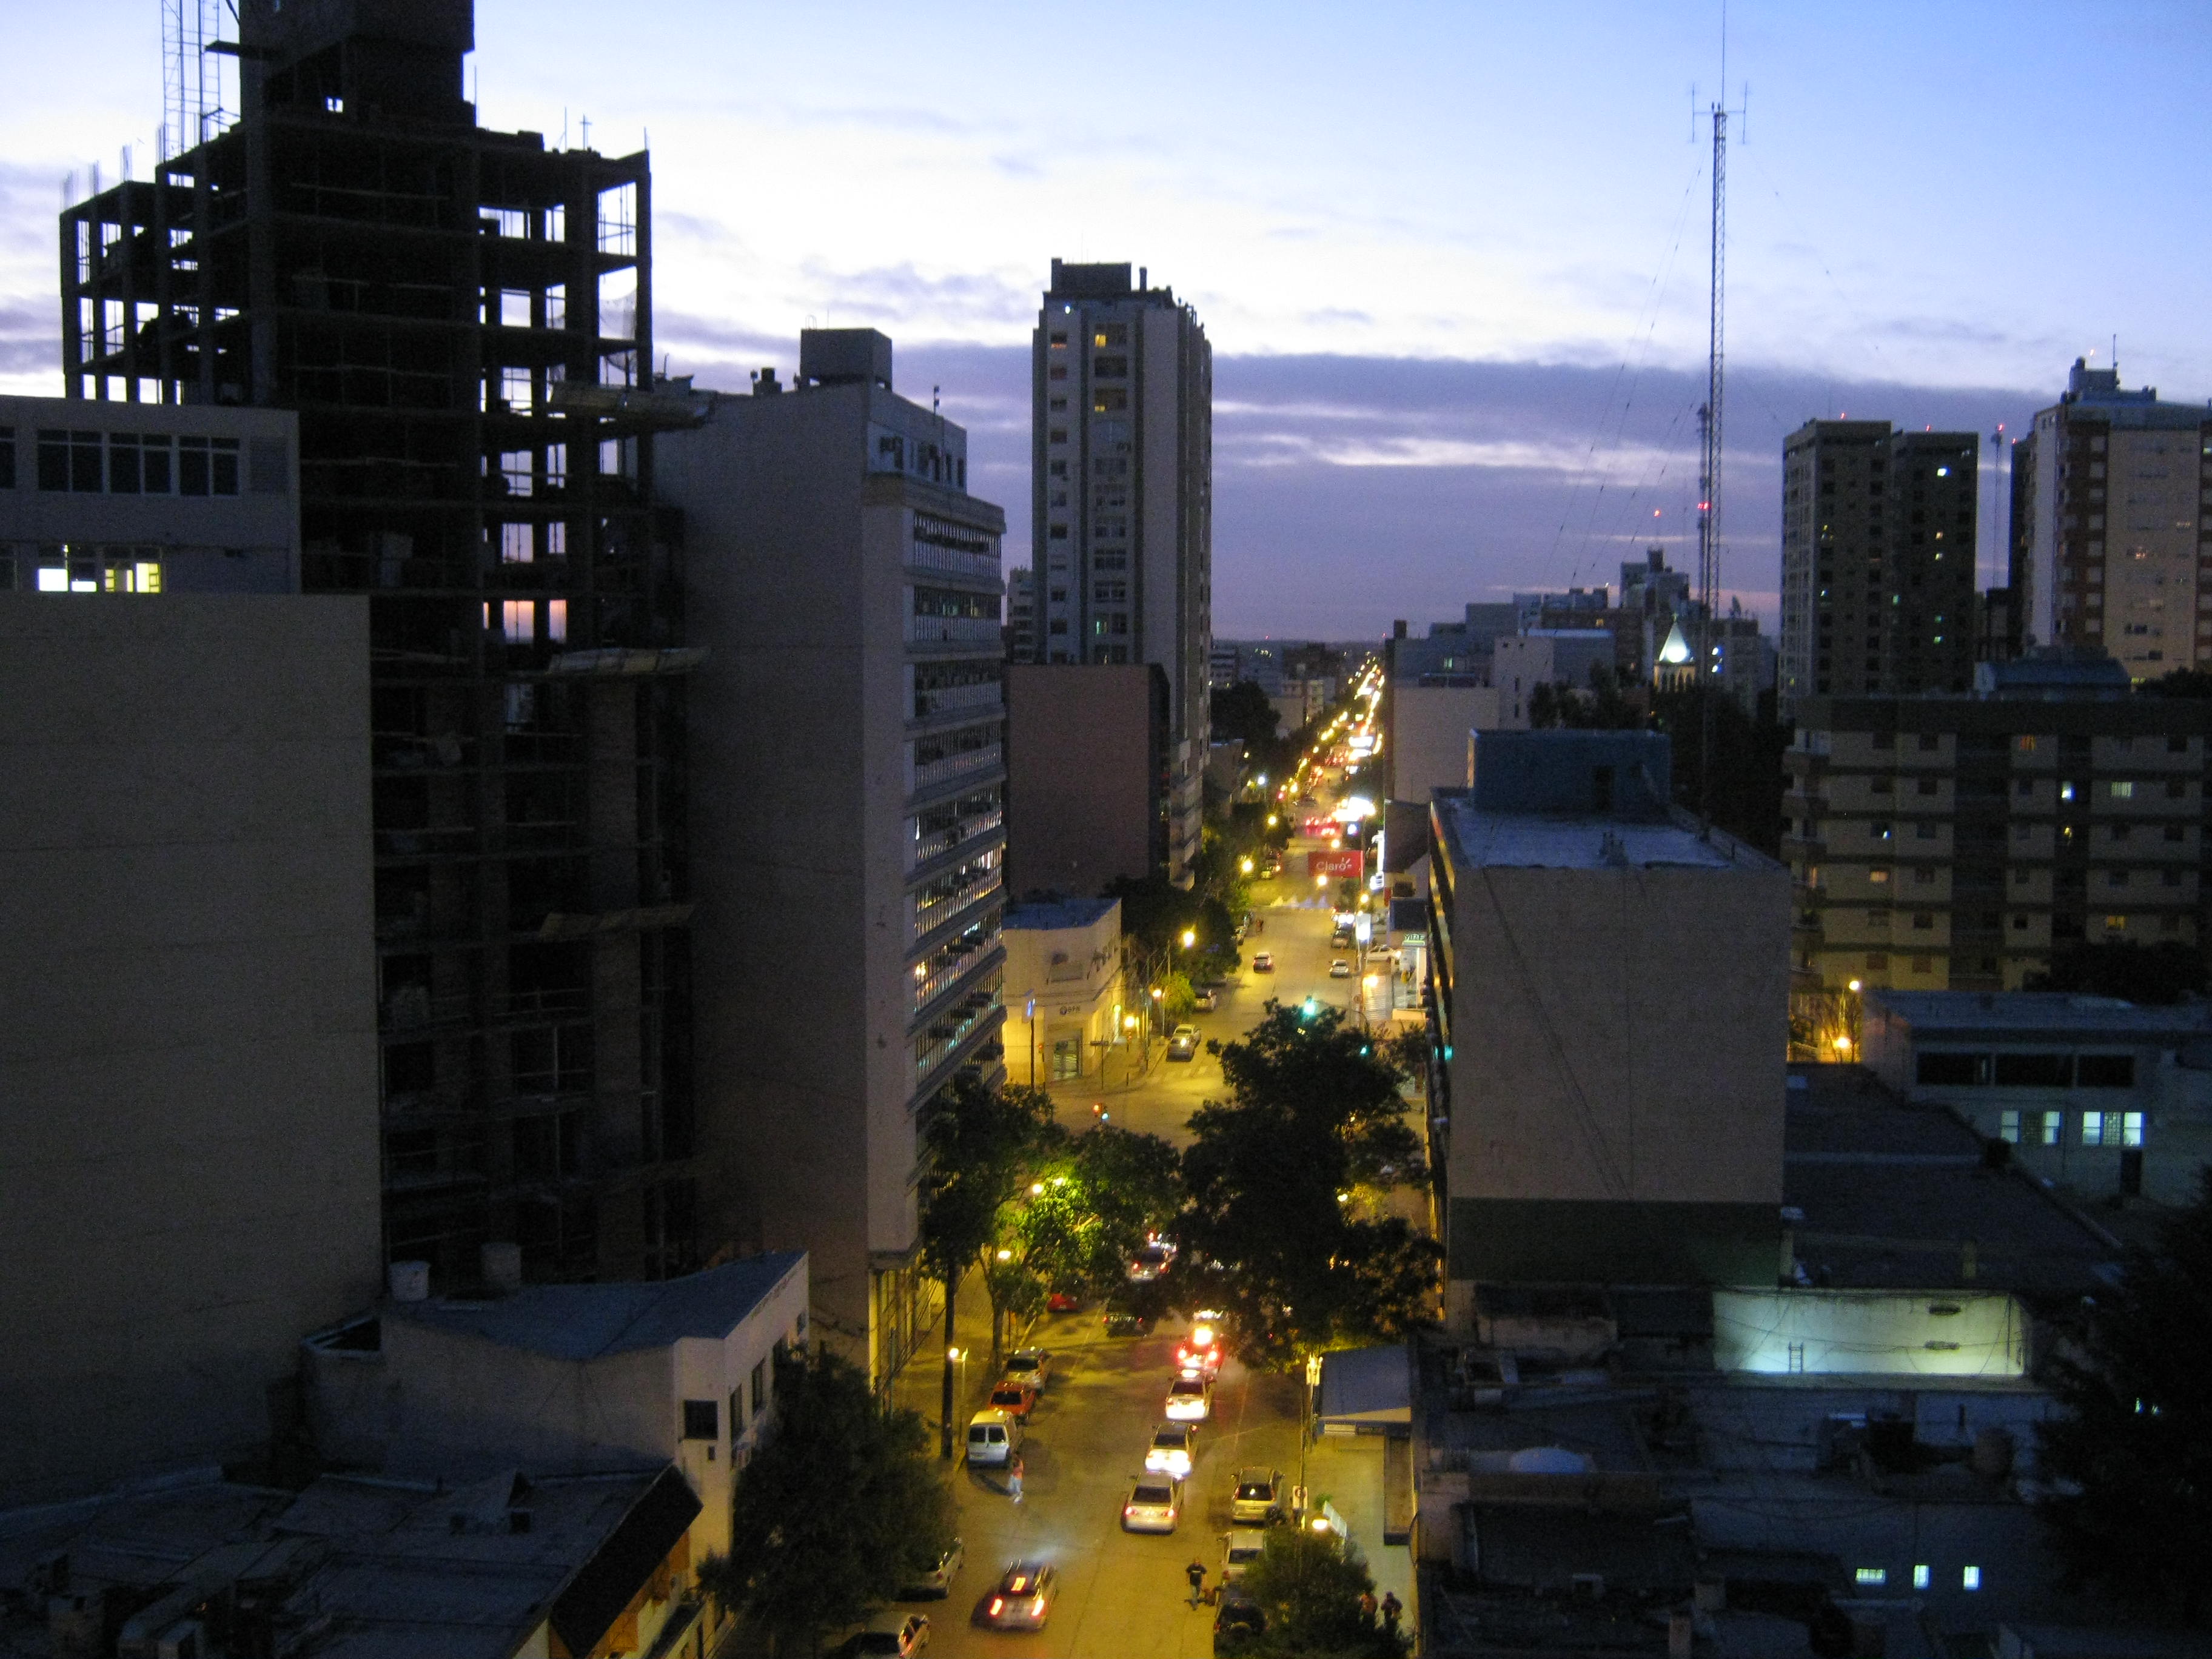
pixel 1393 1610
pixel 1014 1477
pixel 1367 1604
pixel 1196 1573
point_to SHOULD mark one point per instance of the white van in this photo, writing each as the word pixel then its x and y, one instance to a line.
pixel 994 1437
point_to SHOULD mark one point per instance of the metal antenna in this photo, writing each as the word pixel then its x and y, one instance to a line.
pixel 1710 430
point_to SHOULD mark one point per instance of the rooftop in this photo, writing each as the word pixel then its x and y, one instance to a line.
pixel 2047 1016
pixel 1583 841
pixel 1045 915
pixel 1885 1194
pixel 590 1321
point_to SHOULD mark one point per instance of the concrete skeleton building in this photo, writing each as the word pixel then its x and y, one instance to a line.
pixel 1953 843
pixel 2112 543
pixel 1123 508
pixel 1878 539
pixel 1609 992
pixel 463 320
pixel 847 761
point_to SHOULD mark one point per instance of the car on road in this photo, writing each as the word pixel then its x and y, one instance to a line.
pixel 937 1583
pixel 1339 969
pixel 1258 1498
pixel 1190 1400
pixel 1023 1598
pixel 1182 1042
pixel 1206 1000
pixel 1263 962
pixel 994 1437
pixel 1017 1399
pixel 1155 1504
pixel 1150 1262
pixel 1200 1352
pixel 1122 1320
pixel 1029 1365
pixel 888 1636
pixel 1240 1548
pixel 1174 1447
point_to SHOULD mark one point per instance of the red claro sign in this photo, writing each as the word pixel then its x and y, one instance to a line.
pixel 1350 863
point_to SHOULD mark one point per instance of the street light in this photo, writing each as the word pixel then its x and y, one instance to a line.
pixel 1190 934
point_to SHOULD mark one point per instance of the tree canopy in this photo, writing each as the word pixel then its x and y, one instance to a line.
pixel 835 1513
pixel 2133 1451
pixel 1089 1210
pixel 1273 1176
pixel 1307 1587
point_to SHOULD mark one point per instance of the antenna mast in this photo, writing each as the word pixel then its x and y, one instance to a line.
pixel 1710 428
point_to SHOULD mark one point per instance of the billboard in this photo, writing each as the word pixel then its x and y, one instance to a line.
pixel 1350 864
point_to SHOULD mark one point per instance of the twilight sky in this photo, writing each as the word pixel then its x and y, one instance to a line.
pixel 1451 258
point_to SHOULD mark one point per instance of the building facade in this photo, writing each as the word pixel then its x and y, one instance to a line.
pixel 1609 995
pixel 1021 616
pixel 1122 514
pixel 1951 843
pixel 1064 996
pixel 462 321
pixel 847 735
pixel 2112 529
pixel 1089 770
pixel 1878 537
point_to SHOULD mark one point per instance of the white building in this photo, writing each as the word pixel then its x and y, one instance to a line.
pixel 1063 987
pixel 1122 477
pixel 847 769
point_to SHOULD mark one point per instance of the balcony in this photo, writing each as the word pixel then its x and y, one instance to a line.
pixel 941 973
pixel 936 845
pixel 929 775
pixel 947 1036
pixel 929 915
pixel 954 630
pixel 984 695
pixel 927 555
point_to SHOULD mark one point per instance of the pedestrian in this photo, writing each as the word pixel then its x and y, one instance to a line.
pixel 1196 1573
pixel 1393 1610
pixel 1014 1476
pixel 1367 1604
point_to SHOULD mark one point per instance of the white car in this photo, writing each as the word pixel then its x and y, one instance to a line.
pixel 1339 969
pixel 1190 1400
pixel 1241 1548
pixel 1029 1365
pixel 1155 1504
pixel 1173 1445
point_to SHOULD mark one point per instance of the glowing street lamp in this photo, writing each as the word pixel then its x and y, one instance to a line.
pixel 1190 934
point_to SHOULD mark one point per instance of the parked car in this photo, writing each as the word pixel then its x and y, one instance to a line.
pixel 1206 1000
pixel 1155 1504
pixel 1029 1365
pixel 1063 1301
pixel 888 1636
pixel 1238 1623
pixel 1122 1320
pixel 1258 1500
pixel 1023 1599
pixel 937 1583
pixel 994 1437
pixel 1182 1042
pixel 1339 969
pixel 1263 962
pixel 1016 1399
pixel 1241 1548
pixel 1190 1400
pixel 1174 1447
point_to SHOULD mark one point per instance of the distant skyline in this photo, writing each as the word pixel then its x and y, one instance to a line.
pixel 1451 259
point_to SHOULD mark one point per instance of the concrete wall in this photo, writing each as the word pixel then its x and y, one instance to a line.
pixel 1082 795
pixel 1616 1079
pixel 1428 747
pixel 188 1063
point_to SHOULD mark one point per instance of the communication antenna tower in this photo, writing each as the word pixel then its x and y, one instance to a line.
pixel 1711 427
pixel 193 109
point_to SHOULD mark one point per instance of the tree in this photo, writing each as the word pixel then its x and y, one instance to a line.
pixel 1090 1209
pixel 1309 1586
pixel 978 1141
pixel 2132 1454
pixel 835 1513
pixel 1316 1113
pixel 1245 712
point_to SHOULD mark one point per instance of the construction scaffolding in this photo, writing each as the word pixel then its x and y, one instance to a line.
pixel 462 320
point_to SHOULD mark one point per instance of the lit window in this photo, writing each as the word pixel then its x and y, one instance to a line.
pixel 1872 1576
pixel 2116 924
pixel 2093 1128
pixel 2054 1125
pixel 2066 792
pixel 1920 1576
pixel 2008 1127
pixel 556 619
pixel 2131 1128
pixel 519 621
pixel 1970 1578
pixel 2123 791
pixel 514 545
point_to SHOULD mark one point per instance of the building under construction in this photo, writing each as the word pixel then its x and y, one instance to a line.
pixel 462 321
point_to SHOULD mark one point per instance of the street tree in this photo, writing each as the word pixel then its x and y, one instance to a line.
pixel 979 1142
pixel 838 1510
pixel 2131 1453
pixel 1272 1177
pixel 1089 1210
pixel 1310 1587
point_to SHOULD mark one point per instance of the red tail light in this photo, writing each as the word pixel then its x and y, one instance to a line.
pixel 998 1606
pixel 1037 1607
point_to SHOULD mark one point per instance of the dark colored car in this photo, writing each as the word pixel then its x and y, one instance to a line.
pixel 1123 1320
pixel 1239 1623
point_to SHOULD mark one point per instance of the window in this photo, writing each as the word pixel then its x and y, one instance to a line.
pixel 1879 831
pixel 2034 1071
pixel 514 545
pixel 1970 1578
pixel 1923 965
pixel 69 461
pixel 2052 1127
pixel 138 465
pixel 2024 745
pixel 1929 742
pixel 1877 876
pixel 1924 919
pixel 1924 830
pixel 1883 784
pixel 2131 1128
pixel 2008 1127
pixel 1920 1576
pixel 2066 792
pixel 2104 1071
pixel 759 1385
pixel 1928 786
pixel 2122 790
pixel 519 621
pixel 1107 400
pixel 7 458
pixel 207 466
pixel 702 1420
pixel 1875 1576
pixel 2025 787
pixel 1953 1070
pixel 1923 875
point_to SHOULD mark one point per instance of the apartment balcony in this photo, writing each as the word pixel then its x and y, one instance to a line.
pixel 962 1029
pixel 934 846
pixel 928 915
pixel 985 698
pixel 977 634
pixel 927 556
pixel 933 981
pixel 969 762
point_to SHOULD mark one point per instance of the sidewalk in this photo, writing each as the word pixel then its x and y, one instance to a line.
pixel 919 1386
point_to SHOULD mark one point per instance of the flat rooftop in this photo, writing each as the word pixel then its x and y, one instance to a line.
pixel 2055 1015
pixel 1050 916
pixel 590 1321
pixel 1544 841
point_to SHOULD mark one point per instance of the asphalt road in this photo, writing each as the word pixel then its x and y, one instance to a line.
pixel 1120 1593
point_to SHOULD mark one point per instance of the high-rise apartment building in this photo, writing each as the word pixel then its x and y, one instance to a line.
pixel 1021 616
pixel 847 742
pixel 1878 596
pixel 1951 843
pixel 1122 480
pixel 462 321
pixel 2111 535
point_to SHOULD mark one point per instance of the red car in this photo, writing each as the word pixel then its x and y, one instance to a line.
pixel 1016 1399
